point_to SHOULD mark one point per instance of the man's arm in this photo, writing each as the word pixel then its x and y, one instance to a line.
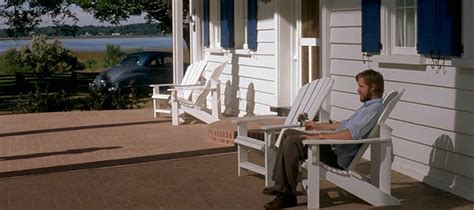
pixel 311 125
pixel 342 135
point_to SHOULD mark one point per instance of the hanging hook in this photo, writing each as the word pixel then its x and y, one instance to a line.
pixel 366 59
pixel 436 61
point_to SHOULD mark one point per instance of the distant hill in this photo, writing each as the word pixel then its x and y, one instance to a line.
pixel 139 29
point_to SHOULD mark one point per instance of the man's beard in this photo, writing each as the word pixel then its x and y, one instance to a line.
pixel 366 97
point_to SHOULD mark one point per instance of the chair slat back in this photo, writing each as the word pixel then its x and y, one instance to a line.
pixel 390 99
pixel 192 75
pixel 202 97
pixel 309 99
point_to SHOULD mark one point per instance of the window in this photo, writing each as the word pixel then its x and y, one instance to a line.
pixel 240 23
pixel 403 22
pixel 230 24
pixel 215 22
pixel 431 28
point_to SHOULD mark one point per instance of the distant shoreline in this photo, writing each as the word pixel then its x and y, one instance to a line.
pixel 84 37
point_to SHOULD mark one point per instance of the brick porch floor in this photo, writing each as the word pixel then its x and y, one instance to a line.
pixel 128 160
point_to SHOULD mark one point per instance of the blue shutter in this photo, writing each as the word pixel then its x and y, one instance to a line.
pixel 252 25
pixel 371 26
pixel 439 27
pixel 227 23
pixel 206 16
pixel 426 35
pixel 449 31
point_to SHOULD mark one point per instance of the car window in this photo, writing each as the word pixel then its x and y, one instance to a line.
pixel 168 61
pixel 133 59
pixel 156 62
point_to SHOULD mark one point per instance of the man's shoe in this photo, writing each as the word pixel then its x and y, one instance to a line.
pixel 282 201
pixel 270 191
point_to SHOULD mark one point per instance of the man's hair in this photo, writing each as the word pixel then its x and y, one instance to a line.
pixel 373 79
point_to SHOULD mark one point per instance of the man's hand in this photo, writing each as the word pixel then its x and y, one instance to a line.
pixel 309 125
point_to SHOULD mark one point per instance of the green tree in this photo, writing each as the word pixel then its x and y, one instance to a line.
pixel 22 16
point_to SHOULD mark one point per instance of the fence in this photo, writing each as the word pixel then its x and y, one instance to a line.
pixel 26 82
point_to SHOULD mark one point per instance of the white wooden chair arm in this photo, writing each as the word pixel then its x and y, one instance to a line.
pixel 183 86
pixel 160 85
pixel 277 127
pixel 255 118
pixel 338 141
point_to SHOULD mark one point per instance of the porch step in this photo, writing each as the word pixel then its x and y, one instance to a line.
pixel 225 131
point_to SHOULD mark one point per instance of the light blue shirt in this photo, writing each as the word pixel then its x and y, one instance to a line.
pixel 359 124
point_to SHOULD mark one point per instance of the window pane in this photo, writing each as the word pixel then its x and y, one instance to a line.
pixel 410 3
pixel 310 18
pixel 400 3
pixel 410 27
pixel 399 28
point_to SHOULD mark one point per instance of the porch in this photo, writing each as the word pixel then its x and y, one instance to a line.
pixel 128 160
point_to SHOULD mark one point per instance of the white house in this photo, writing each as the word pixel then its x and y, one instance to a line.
pixel 426 47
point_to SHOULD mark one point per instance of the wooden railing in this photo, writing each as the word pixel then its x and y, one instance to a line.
pixel 26 82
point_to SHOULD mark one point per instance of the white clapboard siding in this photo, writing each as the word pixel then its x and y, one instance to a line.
pixel 244 82
pixel 438 178
pixel 445 119
pixel 436 117
pixel 265 24
pixel 267 35
pixel 345 5
pixel 267 61
pixel 438 158
pixel 346 18
pixel 450 98
pixel 349 35
pixel 461 143
pixel 347 100
pixel 345 51
pixel 251 72
pixel 242 94
pixel 454 77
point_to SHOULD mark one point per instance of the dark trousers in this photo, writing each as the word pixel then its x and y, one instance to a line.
pixel 289 155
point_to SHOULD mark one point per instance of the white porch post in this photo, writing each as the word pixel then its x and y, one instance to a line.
pixel 195 30
pixel 177 41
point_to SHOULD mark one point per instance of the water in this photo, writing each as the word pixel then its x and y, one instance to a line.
pixel 99 44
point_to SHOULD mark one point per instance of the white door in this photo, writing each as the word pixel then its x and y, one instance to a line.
pixel 307 43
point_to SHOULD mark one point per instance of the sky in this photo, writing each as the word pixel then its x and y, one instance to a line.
pixel 84 19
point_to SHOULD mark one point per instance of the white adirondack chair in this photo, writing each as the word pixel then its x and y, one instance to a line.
pixel 309 100
pixel 374 190
pixel 197 108
pixel 191 78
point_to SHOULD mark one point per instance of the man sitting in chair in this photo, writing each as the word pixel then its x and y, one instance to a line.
pixel 291 151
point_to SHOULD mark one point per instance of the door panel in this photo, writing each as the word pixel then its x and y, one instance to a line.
pixel 308 41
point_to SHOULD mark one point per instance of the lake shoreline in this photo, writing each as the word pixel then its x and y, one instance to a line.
pixel 84 37
pixel 100 44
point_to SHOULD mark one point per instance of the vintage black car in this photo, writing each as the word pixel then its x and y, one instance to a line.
pixel 137 70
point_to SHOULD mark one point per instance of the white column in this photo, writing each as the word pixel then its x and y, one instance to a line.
pixel 177 41
pixel 195 31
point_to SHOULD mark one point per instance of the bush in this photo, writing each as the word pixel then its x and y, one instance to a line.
pixel 43 101
pixel 101 99
pixel 113 55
